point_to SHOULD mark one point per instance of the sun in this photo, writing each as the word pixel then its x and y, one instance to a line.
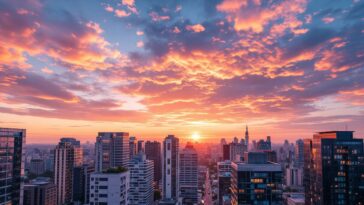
pixel 196 137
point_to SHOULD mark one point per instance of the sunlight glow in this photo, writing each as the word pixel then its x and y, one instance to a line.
pixel 196 137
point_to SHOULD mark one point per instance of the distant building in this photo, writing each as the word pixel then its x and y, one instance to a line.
pixel 132 147
pixel 226 152
pixel 37 166
pixel 112 150
pixel 170 168
pixel 188 175
pixel 294 176
pixel 334 169
pixel 12 142
pixel 263 145
pixel 246 138
pixel 81 183
pixel 40 191
pixel 66 157
pixel 153 152
pixel 256 181
pixel 140 146
pixel 237 150
pixel 141 180
pixel 109 187
pixel 224 178
pixel 299 154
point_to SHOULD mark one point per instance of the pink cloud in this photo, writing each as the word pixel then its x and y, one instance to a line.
pixel 121 13
pixel 197 28
pixel 156 17
pixel 328 20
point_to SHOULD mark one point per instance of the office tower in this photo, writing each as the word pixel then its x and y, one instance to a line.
pixel 110 187
pixel 237 151
pixel 153 152
pixel 299 154
pixel 77 149
pixel 226 152
pixel 256 181
pixel 67 155
pixel 12 142
pixel 334 169
pixel 141 180
pixel 112 150
pixel 49 161
pixel 188 175
pixel 170 170
pixel 140 146
pixel 40 191
pixel 132 147
pixel 247 138
pixel 81 183
pixel 224 178
pixel 37 166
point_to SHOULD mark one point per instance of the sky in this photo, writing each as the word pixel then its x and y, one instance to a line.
pixel 285 68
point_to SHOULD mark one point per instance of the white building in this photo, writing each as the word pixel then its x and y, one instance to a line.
pixel 141 180
pixel 170 170
pixel 294 176
pixel 112 150
pixel 188 176
pixel 110 187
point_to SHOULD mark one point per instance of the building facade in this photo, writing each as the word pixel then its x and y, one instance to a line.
pixel 12 142
pixel 37 166
pixel 188 175
pixel 109 187
pixel 170 170
pixel 141 180
pixel 256 181
pixel 40 191
pixel 112 150
pixel 224 178
pixel 153 152
pixel 334 169
pixel 81 184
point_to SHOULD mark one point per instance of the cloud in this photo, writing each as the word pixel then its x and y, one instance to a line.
pixel 197 28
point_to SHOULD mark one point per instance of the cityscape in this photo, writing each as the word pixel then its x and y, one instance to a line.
pixel 181 102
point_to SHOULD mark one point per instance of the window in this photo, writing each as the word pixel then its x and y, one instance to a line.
pixel 168 146
pixel 103 179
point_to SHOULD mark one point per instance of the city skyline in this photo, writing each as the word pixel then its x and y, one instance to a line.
pixel 286 68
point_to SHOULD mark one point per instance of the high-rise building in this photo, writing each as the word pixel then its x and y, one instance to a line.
pixel 12 142
pixel 67 156
pixel 237 151
pixel 141 180
pixel 293 176
pixel 37 166
pixel 224 178
pixel 170 170
pixel 110 187
pixel 334 169
pixel 226 152
pixel 153 152
pixel 263 145
pixel 188 175
pixel 77 149
pixel 112 150
pixel 299 154
pixel 40 191
pixel 81 184
pixel 132 147
pixel 256 181
pixel 140 146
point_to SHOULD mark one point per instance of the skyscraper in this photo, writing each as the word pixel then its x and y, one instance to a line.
pixel 66 157
pixel 141 180
pixel 112 150
pixel 188 175
pixel 224 178
pixel 132 147
pixel 226 152
pixel 140 146
pixel 170 168
pixel 153 152
pixel 12 142
pixel 256 181
pixel 334 169
pixel 299 154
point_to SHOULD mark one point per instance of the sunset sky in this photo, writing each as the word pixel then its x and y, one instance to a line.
pixel 287 68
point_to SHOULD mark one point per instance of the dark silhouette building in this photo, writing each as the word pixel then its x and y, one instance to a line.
pixel 153 152
pixel 226 152
pixel 81 183
pixel 334 169
pixel 40 191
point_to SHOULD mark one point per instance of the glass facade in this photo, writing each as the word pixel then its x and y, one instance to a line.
pixel 11 165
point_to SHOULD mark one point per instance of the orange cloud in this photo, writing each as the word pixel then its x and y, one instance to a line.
pixel 197 28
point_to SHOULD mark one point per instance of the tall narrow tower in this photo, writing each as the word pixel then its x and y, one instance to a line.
pixel 247 138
